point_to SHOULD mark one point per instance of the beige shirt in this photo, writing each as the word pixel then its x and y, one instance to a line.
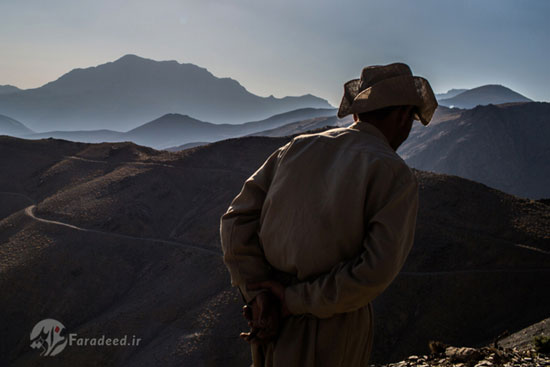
pixel 335 210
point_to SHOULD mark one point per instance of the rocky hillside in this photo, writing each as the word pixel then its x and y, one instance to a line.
pixel 505 146
pixel 475 357
pixel 529 347
pixel 122 239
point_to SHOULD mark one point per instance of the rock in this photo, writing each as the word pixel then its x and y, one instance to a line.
pixel 484 363
pixel 463 354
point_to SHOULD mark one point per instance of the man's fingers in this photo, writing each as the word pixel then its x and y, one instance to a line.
pixel 264 315
pixel 251 334
pixel 254 336
pixel 258 336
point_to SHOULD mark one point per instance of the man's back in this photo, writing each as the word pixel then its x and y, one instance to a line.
pixel 322 195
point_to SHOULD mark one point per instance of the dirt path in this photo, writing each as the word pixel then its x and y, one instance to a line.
pixel 30 212
pixel 129 162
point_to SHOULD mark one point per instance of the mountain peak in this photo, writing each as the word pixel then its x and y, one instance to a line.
pixel 7 89
pixel 134 59
pixel 129 57
pixel 484 95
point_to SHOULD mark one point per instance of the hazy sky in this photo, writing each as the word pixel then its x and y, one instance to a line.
pixel 286 47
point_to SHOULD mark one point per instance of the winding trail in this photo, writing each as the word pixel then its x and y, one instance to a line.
pixel 29 211
pixel 533 249
pixel 126 162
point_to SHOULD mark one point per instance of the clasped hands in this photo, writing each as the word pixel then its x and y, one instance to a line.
pixel 265 312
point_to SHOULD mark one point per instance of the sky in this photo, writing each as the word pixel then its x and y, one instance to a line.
pixel 286 47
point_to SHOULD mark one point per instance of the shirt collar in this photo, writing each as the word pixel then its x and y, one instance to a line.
pixel 368 128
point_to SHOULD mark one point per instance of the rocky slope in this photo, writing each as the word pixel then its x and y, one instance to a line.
pixel 475 357
pixel 123 239
pixel 505 146
pixel 518 349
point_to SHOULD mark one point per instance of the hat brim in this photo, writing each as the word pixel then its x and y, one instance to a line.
pixel 401 90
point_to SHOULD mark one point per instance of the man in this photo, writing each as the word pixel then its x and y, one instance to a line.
pixel 325 225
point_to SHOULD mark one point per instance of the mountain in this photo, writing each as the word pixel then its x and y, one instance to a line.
pixel 441 114
pixel 186 146
pixel 285 118
pixel 118 239
pixel 9 126
pixel 449 94
pixel 484 95
pixel 174 129
pixel 7 89
pixel 505 146
pixel 300 127
pixel 117 94
pixel 88 136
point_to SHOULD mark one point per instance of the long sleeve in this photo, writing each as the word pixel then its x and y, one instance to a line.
pixel 239 226
pixel 390 211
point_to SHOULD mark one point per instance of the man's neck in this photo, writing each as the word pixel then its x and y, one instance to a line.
pixel 383 128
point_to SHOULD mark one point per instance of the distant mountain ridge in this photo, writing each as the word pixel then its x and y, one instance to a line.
pixel 484 95
pixel 449 94
pixel 504 146
pixel 175 129
pixel 9 126
pixel 116 94
pixel 303 126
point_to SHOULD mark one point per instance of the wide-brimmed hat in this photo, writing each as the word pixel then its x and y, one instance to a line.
pixel 388 85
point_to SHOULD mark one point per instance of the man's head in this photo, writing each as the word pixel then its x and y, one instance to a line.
pixel 395 122
pixel 384 86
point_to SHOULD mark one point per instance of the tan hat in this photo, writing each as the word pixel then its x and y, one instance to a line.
pixel 388 85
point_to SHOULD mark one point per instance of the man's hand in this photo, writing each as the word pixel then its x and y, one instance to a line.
pixel 263 317
pixel 277 289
